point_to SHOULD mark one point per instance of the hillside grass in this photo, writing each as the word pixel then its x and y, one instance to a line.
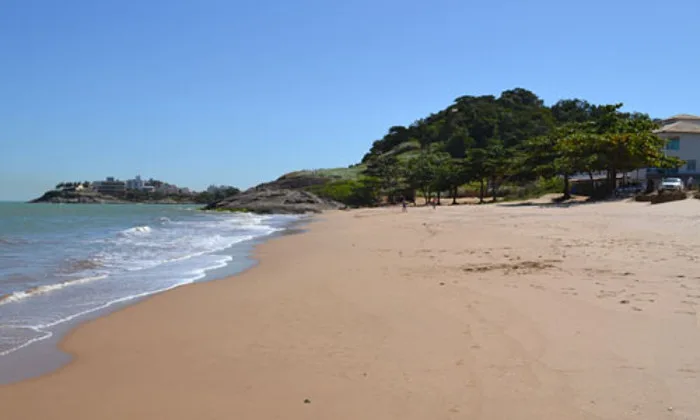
pixel 350 173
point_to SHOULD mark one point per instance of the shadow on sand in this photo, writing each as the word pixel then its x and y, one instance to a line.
pixel 564 203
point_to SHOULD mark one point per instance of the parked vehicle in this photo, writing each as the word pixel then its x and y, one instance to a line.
pixel 671 184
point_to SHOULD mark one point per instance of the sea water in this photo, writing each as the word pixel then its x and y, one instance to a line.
pixel 59 263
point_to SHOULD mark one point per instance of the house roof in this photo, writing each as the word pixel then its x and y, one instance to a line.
pixel 680 127
pixel 681 123
pixel 684 117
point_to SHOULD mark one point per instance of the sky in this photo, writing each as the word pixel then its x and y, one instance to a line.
pixel 200 92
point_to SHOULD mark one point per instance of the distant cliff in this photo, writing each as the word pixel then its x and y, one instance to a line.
pixel 265 200
pixel 91 197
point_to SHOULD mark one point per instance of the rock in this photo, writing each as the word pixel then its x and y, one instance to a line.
pixel 75 197
pixel 264 200
pixel 91 197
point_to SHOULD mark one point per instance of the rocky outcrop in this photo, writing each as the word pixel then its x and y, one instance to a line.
pixel 265 200
pixel 77 197
pixel 295 181
pixel 91 197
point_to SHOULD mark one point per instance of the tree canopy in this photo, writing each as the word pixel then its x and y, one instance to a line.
pixel 514 137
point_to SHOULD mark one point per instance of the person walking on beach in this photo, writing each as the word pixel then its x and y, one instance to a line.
pixel 433 202
pixel 403 205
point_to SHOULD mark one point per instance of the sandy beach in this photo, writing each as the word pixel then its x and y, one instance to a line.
pixel 465 312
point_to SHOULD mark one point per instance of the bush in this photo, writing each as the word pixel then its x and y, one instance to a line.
pixel 534 189
pixel 644 198
pixel 665 197
pixel 354 193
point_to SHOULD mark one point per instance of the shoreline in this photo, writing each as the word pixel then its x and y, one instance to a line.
pixel 46 355
pixel 461 312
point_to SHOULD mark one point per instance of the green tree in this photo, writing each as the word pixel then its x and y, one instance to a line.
pixel 457 143
pixel 568 111
pixel 496 164
pixel 450 174
pixel 625 142
pixel 421 173
pixel 388 173
pixel 476 169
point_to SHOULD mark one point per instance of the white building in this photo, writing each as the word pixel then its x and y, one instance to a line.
pixel 135 184
pixel 110 186
pixel 682 134
pixel 168 189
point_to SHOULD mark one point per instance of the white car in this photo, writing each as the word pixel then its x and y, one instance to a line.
pixel 671 184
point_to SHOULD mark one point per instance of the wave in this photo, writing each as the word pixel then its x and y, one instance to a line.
pixel 38 290
pixel 136 231
pixel 75 266
pixel 157 244
pixel 46 334
pixel 138 265
pixel 12 241
pixel 196 274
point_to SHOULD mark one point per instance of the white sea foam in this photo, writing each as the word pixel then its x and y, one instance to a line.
pixel 157 254
pixel 42 328
pixel 136 230
pixel 24 294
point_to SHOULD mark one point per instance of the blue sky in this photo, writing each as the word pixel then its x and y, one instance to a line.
pixel 240 92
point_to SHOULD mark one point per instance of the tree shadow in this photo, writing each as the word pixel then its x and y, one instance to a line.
pixel 565 203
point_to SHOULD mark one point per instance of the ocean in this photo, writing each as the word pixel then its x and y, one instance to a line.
pixel 61 263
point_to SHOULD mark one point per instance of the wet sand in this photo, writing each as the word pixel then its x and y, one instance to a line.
pixel 467 312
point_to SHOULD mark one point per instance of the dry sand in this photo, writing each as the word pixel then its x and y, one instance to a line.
pixel 468 312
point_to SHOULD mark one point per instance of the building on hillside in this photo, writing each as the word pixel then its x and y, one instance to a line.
pixel 168 189
pixel 135 184
pixel 110 186
pixel 682 135
pixel 77 186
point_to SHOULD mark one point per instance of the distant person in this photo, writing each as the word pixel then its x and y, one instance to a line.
pixel 433 202
pixel 690 183
pixel 404 205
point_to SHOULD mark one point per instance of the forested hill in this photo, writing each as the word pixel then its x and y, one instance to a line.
pixel 479 121
pixel 510 141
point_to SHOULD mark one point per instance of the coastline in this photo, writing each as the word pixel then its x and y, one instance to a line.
pixel 45 356
pixel 464 312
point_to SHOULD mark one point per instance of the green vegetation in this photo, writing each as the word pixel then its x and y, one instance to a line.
pixel 206 197
pixel 352 172
pixel 511 146
pixel 355 193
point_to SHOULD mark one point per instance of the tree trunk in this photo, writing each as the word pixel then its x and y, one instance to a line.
pixel 438 198
pixel 493 189
pixel 612 185
pixel 454 195
pixel 481 191
pixel 426 196
pixel 567 190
